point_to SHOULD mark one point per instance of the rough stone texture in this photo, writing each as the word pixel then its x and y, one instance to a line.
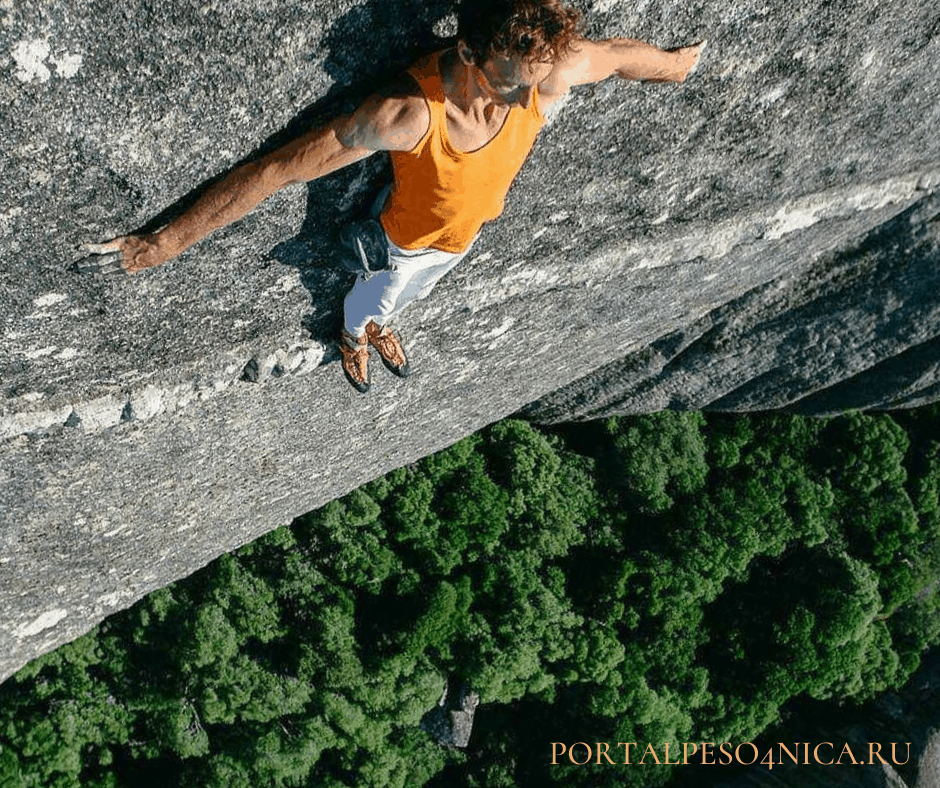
pixel 450 724
pixel 767 227
pixel 928 770
pixel 855 328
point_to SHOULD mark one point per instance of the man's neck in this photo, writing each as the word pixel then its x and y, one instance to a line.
pixel 462 88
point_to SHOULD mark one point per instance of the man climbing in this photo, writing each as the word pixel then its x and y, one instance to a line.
pixel 458 126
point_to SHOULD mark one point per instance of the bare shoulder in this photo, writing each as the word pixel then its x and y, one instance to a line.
pixel 586 61
pixel 395 117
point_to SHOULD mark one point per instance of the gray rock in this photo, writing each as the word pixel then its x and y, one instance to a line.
pixel 451 723
pixel 762 236
pixel 928 769
pixel 857 328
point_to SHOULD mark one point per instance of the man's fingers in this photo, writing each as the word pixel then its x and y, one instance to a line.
pixel 699 48
pixel 105 258
pixel 97 267
pixel 110 246
pixel 101 264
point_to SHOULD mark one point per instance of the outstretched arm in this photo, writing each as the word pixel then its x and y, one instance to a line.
pixel 382 123
pixel 311 156
pixel 595 61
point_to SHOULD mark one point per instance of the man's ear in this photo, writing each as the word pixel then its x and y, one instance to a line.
pixel 465 53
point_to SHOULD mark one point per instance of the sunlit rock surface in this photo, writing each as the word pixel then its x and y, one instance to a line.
pixel 856 327
pixel 763 236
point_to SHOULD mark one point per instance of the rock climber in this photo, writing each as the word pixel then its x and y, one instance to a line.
pixel 458 126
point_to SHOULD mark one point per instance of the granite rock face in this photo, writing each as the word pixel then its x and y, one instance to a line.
pixel 450 723
pixel 856 328
pixel 764 235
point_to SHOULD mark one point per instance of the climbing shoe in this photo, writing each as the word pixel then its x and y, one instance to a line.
pixel 355 361
pixel 389 347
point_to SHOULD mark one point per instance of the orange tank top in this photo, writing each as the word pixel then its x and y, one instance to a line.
pixel 441 196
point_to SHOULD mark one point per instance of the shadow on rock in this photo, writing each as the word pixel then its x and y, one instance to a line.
pixel 368 46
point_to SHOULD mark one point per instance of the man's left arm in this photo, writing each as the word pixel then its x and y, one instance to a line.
pixel 595 61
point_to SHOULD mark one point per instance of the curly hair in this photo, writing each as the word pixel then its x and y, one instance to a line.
pixel 540 30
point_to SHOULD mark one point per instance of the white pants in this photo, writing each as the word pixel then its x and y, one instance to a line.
pixel 412 275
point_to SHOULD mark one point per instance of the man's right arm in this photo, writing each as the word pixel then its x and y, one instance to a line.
pixel 383 122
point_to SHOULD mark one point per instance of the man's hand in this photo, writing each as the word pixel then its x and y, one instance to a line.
pixel 127 254
pixel 687 59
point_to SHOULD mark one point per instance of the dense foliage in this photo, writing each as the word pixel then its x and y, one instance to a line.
pixel 671 577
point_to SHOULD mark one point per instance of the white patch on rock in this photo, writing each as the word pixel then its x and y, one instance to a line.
pixel 501 329
pixel 33 396
pixel 446 26
pixel 19 423
pixel 147 403
pixel 557 217
pixel 716 240
pixel 66 355
pixel 6 219
pixel 43 351
pixel 114 599
pixel 48 299
pixel 593 192
pixel 29 57
pixel 101 412
pixel 539 233
pixel 305 357
pixel 807 211
pixel 871 67
pixel 297 359
pixel 67 66
pixel 928 181
pixel 773 96
pixel 603 6
pixel 134 146
pixel 47 620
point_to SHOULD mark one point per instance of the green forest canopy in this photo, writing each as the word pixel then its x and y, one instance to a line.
pixel 669 577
